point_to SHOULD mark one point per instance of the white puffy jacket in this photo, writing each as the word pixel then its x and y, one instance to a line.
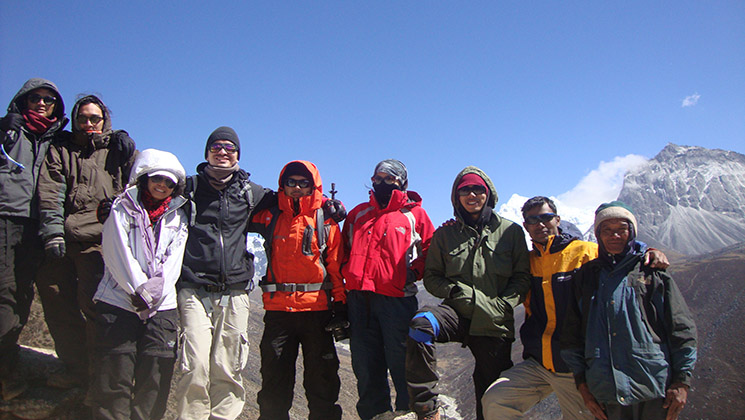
pixel 135 262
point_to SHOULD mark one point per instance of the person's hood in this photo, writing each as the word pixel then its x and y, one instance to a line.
pixel 96 101
pixel 150 161
pixel 307 203
pixel 17 103
pixel 490 202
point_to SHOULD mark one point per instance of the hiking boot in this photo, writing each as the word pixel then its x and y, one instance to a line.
pixel 64 380
pixel 13 387
pixel 430 416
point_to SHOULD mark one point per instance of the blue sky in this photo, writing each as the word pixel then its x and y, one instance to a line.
pixel 535 93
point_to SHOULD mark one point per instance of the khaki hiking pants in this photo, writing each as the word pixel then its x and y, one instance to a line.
pixel 214 352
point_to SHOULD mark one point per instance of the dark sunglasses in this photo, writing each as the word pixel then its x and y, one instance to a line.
pixel 475 189
pixel 539 218
pixel 34 98
pixel 388 180
pixel 302 183
pixel 228 147
pixel 160 179
pixel 94 119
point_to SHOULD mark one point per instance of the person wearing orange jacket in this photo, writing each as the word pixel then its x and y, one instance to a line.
pixel 303 293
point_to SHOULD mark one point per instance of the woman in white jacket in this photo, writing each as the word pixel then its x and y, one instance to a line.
pixel 136 325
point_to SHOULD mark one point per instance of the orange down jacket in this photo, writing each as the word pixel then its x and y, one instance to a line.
pixel 294 253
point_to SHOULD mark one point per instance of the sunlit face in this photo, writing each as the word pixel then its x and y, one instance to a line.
pixel 296 191
pixel 473 202
pixel 539 232
pixel 222 158
pixel 614 233
pixel 39 100
pixel 86 115
pixel 160 187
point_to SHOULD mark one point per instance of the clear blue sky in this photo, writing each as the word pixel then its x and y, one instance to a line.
pixel 534 93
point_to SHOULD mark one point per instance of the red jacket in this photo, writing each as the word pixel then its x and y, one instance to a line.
pixel 377 244
pixel 289 262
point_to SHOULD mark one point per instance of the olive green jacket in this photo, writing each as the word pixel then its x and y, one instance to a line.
pixel 483 275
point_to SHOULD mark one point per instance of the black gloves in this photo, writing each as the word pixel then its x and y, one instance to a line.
pixel 123 144
pixel 334 209
pixel 103 210
pixel 54 247
pixel 338 326
pixel 138 302
pixel 11 122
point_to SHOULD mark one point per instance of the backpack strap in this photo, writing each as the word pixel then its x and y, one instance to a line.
pixel 190 192
pixel 415 241
pixel 268 234
pixel 248 192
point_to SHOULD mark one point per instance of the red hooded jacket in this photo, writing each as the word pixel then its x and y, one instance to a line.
pixel 378 245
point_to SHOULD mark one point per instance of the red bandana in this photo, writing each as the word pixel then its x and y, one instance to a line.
pixel 154 208
pixel 37 123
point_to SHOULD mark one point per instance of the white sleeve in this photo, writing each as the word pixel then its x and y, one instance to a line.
pixel 117 251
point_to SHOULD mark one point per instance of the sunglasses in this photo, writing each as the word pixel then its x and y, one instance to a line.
pixel 389 180
pixel 302 183
pixel 228 147
pixel 539 218
pixel 34 98
pixel 94 119
pixel 160 179
pixel 475 189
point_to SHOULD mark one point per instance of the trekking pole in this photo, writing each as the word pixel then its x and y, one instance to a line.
pixel 333 190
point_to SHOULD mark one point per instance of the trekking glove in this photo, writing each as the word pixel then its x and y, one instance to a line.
pixel 138 302
pixel 11 122
pixel 104 209
pixel 338 326
pixel 334 209
pixel 123 144
pixel 54 247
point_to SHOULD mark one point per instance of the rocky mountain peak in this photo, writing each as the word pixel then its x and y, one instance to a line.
pixel 689 199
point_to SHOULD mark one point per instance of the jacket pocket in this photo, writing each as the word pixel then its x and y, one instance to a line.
pixel 455 262
pixel 499 260
pixel 307 245
pixel 649 372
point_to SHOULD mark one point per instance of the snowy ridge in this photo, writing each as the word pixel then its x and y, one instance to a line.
pixel 689 199
pixel 583 218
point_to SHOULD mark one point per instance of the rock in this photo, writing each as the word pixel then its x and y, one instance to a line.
pixel 41 401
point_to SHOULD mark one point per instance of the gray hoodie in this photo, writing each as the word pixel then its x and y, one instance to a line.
pixel 22 155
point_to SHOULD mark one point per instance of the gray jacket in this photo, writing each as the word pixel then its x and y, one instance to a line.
pixel 18 182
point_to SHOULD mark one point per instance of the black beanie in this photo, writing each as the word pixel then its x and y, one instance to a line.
pixel 223 133
pixel 295 168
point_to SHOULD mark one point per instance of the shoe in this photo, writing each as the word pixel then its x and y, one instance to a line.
pixel 13 388
pixel 64 380
pixel 430 416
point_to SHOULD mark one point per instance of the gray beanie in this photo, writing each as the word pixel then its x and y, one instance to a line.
pixel 223 133
pixel 395 168
pixel 614 210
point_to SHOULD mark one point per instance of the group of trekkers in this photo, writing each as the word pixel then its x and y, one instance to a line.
pixel 137 263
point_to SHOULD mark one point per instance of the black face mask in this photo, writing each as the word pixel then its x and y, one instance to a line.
pixel 383 193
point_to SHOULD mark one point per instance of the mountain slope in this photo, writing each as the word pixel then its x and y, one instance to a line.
pixel 689 199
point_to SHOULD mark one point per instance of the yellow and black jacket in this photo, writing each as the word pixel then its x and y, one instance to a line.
pixel 551 267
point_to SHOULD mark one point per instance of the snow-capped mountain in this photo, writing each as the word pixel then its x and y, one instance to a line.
pixel 689 199
pixel 686 199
